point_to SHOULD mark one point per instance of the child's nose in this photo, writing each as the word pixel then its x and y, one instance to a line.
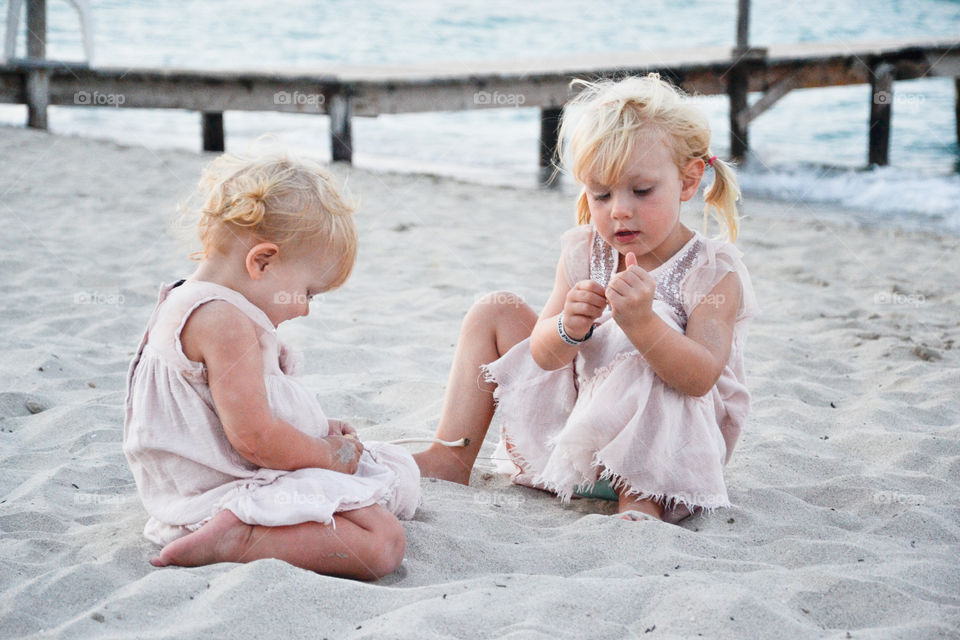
pixel 619 208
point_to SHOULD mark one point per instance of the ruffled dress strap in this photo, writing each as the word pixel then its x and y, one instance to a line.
pixel 178 301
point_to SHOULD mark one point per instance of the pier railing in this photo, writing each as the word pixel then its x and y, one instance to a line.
pixel 344 92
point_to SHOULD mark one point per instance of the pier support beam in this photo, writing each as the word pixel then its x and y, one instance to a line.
pixel 745 62
pixel 881 110
pixel 956 106
pixel 549 139
pixel 341 134
pixel 38 80
pixel 211 124
pixel 738 84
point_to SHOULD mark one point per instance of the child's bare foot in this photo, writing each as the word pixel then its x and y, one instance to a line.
pixel 223 539
pixel 440 462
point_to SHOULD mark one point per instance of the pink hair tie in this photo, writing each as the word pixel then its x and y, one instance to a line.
pixel 710 161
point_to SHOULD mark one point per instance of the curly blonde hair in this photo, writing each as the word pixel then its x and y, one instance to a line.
pixel 275 197
pixel 602 124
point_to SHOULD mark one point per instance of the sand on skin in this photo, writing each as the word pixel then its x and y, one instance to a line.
pixel 845 481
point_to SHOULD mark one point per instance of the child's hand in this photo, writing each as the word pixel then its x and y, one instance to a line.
pixel 340 428
pixel 585 303
pixel 630 293
pixel 344 453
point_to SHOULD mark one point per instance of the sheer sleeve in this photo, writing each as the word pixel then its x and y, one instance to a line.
pixel 575 253
pixel 716 261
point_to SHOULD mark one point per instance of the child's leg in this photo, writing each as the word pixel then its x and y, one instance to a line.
pixel 492 326
pixel 366 544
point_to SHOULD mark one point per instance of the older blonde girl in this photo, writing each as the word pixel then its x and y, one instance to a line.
pixel 632 375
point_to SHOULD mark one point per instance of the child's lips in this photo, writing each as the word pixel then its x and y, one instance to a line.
pixel 626 236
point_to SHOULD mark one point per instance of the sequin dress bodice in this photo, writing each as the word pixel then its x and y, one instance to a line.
pixel 669 276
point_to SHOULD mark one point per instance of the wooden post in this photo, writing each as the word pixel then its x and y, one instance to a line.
pixel 738 83
pixel 743 24
pixel 549 138
pixel 212 130
pixel 956 105
pixel 881 110
pixel 341 135
pixel 38 80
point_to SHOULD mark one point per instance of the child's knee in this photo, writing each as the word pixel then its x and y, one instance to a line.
pixel 389 544
pixel 496 304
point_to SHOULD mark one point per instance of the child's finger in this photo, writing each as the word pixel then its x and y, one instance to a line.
pixel 591 300
pixel 633 278
pixel 631 260
pixel 588 297
pixel 591 286
pixel 584 310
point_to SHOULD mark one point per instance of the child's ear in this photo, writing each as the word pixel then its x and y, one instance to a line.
pixel 690 178
pixel 260 257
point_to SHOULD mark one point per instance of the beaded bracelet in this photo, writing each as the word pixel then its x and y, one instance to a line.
pixel 572 341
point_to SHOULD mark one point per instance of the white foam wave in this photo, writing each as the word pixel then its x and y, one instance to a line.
pixel 883 195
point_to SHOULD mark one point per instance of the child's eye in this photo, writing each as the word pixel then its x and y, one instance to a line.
pixel 601 196
pixel 642 192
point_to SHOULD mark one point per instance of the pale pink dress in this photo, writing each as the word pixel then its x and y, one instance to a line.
pixel 187 471
pixel 607 414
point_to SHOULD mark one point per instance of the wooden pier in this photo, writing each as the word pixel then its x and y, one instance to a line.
pixel 344 92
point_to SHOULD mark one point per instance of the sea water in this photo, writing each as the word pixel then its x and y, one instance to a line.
pixel 810 147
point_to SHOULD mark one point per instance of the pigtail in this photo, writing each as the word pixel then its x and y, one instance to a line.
pixel 722 198
pixel 583 208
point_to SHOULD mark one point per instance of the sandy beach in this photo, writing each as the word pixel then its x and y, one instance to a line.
pixel 845 482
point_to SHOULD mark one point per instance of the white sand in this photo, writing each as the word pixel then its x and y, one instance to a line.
pixel 846 479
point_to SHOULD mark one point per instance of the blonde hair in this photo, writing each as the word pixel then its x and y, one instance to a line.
pixel 602 124
pixel 275 197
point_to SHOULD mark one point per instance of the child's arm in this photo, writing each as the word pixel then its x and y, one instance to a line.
pixel 580 305
pixel 691 363
pixel 225 340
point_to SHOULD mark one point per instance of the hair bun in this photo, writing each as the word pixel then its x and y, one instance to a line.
pixel 248 206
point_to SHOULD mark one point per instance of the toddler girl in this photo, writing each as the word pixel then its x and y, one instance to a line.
pixel 233 457
pixel 632 376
